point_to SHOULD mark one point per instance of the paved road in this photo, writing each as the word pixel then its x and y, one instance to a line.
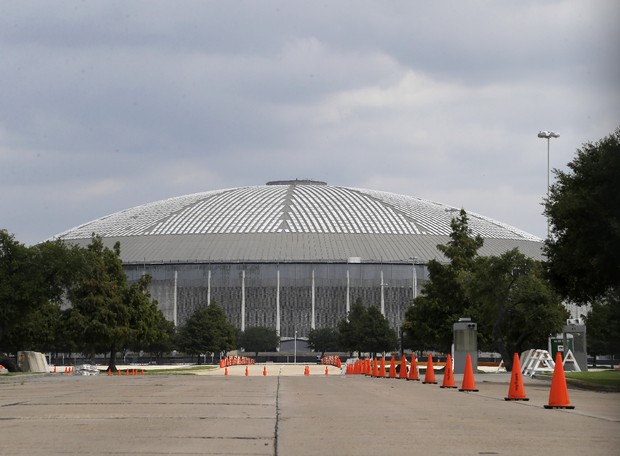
pixel 289 414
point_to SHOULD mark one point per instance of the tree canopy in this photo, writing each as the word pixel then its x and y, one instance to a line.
pixel 508 296
pixel 207 330
pixel 512 302
pixel 107 313
pixel 33 281
pixel 603 326
pixel 428 321
pixel 366 330
pixel 584 215
pixel 58 297
pixel 323 340
pixel 259 338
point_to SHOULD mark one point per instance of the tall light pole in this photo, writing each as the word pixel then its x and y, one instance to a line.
pixel 548 135
pixel 414 260
pixel 383 285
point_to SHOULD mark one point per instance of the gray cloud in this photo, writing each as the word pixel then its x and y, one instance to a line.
pixel 106 105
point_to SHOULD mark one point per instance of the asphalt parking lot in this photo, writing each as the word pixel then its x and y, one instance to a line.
pixel 287 413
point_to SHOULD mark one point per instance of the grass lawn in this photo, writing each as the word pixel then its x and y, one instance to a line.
pixel 608 380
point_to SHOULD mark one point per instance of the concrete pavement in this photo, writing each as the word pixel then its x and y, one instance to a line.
pixel 286 413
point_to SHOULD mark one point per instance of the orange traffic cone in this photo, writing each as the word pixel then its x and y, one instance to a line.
pixel 448 374
pixel 413 369
pixel 382 368
pixel 326 371
pixel 403 367
pixel 54 369
pixel 246 371
pixel 109 373
pixel 558 396
pixel 429 377
pixel 118 372
pixel 516 392
pixel 142 371
pixel 392 368
pixel 265 371
pixel 225 371
pixel 375 368
pixel 468 377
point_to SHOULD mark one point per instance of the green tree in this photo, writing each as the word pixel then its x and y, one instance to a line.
pixel 150 329
pixel 377 335
pixel 512 302
pixel 107 313
pixel 165 342
pixel 428 321
pixel 259 338
pixel 323 340
pixel 33 281
pixel 584 215
pixel 603 325
pixel 366 330
pixel 100 315
pixel 207 331
pixel 37 330
pixel 351 328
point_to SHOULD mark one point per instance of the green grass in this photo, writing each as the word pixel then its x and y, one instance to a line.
pixel 607 378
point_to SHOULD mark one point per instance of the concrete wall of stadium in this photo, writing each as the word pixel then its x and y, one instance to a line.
pixel 287 296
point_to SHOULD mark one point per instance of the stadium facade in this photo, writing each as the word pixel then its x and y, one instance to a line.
pixel 291 255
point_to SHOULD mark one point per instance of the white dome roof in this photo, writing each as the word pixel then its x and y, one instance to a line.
pixel 288 218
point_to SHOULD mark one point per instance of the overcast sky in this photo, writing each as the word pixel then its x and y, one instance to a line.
pixel 106 105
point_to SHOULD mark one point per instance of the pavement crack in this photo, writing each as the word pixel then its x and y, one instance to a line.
pixel 13 404
pixel 275 437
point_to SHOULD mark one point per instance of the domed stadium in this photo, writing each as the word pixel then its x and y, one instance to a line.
pixel 290 255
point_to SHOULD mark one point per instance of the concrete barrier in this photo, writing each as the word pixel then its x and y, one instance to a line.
pixel 30 361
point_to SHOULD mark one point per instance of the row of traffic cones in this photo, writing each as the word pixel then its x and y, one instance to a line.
pixel 235 360
pixel 375 368
pixel 134 372
pixel 558 395
pixel 70 370
pixel 332 360
pixel 468 385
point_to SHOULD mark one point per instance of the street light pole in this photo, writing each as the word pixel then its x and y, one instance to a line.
pixel 548 135
pixel 415 276
pixel 295 357
pixel 383 285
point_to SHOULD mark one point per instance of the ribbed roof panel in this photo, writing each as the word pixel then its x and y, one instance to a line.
pixel 290 221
